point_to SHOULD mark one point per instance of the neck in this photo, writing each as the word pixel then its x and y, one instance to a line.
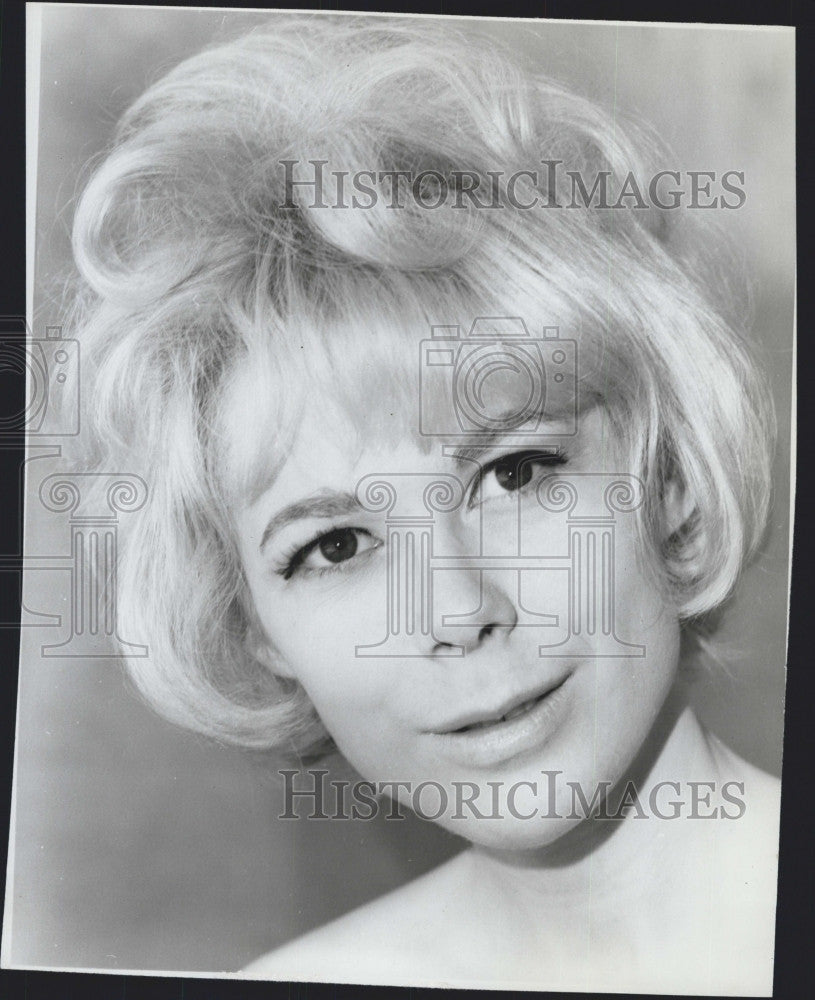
pixel 612 861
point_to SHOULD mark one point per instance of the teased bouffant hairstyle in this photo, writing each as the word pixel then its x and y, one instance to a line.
pixel 197 263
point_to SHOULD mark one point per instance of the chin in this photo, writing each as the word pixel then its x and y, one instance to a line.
pixel 512 834
pixel 523 809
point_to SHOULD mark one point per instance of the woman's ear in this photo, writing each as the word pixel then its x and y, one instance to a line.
pixel 272 660
pixel 279 666
pixel 677 507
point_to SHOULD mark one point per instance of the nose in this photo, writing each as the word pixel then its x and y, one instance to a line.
pixel 469 606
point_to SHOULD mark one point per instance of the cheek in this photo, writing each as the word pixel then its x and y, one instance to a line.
pixel 629 693
pixel 316 622
pixel 315 628
pixel 643 615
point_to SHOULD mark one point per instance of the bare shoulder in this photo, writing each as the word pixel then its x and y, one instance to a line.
pixel 385 940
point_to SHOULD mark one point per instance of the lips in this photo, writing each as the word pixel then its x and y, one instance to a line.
pixel 524 726
pixel 514 708
pixel 513 713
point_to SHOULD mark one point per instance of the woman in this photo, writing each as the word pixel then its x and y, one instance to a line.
pixel 294 247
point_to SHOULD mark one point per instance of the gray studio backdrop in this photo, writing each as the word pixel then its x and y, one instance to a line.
pixel 139 846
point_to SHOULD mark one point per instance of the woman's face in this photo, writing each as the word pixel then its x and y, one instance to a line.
pixel 318 567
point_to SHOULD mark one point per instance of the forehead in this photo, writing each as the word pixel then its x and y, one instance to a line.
pixel 333 404
pixel 330 452
pixel 392 394
pixel 328 457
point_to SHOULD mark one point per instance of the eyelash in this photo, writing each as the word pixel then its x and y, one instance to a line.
pixel 520 459
pixel 297 555
pixel 292 561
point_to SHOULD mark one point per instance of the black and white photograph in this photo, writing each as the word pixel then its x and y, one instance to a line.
pixel 408 496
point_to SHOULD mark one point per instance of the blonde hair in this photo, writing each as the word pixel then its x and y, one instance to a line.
pixel 192 268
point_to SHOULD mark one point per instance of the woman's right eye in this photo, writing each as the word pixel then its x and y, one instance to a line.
pixel 329 551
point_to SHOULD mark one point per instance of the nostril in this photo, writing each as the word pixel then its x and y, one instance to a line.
pixel 443 645
pixel 485 631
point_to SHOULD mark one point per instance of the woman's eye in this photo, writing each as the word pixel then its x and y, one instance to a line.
pixel 511 473
pixel 337 546
pixel 330 550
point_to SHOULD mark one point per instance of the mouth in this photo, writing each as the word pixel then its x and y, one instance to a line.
pixel 517 708
pixel 522 727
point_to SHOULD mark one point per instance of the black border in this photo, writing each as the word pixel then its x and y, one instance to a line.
pixel 795 969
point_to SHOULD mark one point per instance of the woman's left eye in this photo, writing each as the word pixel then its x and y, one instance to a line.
pixel 512 473
pixel 330 551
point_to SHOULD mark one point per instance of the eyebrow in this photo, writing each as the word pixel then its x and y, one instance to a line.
pixel 333 503
pixel 515 434
pixel 475 452
pixel 326 503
